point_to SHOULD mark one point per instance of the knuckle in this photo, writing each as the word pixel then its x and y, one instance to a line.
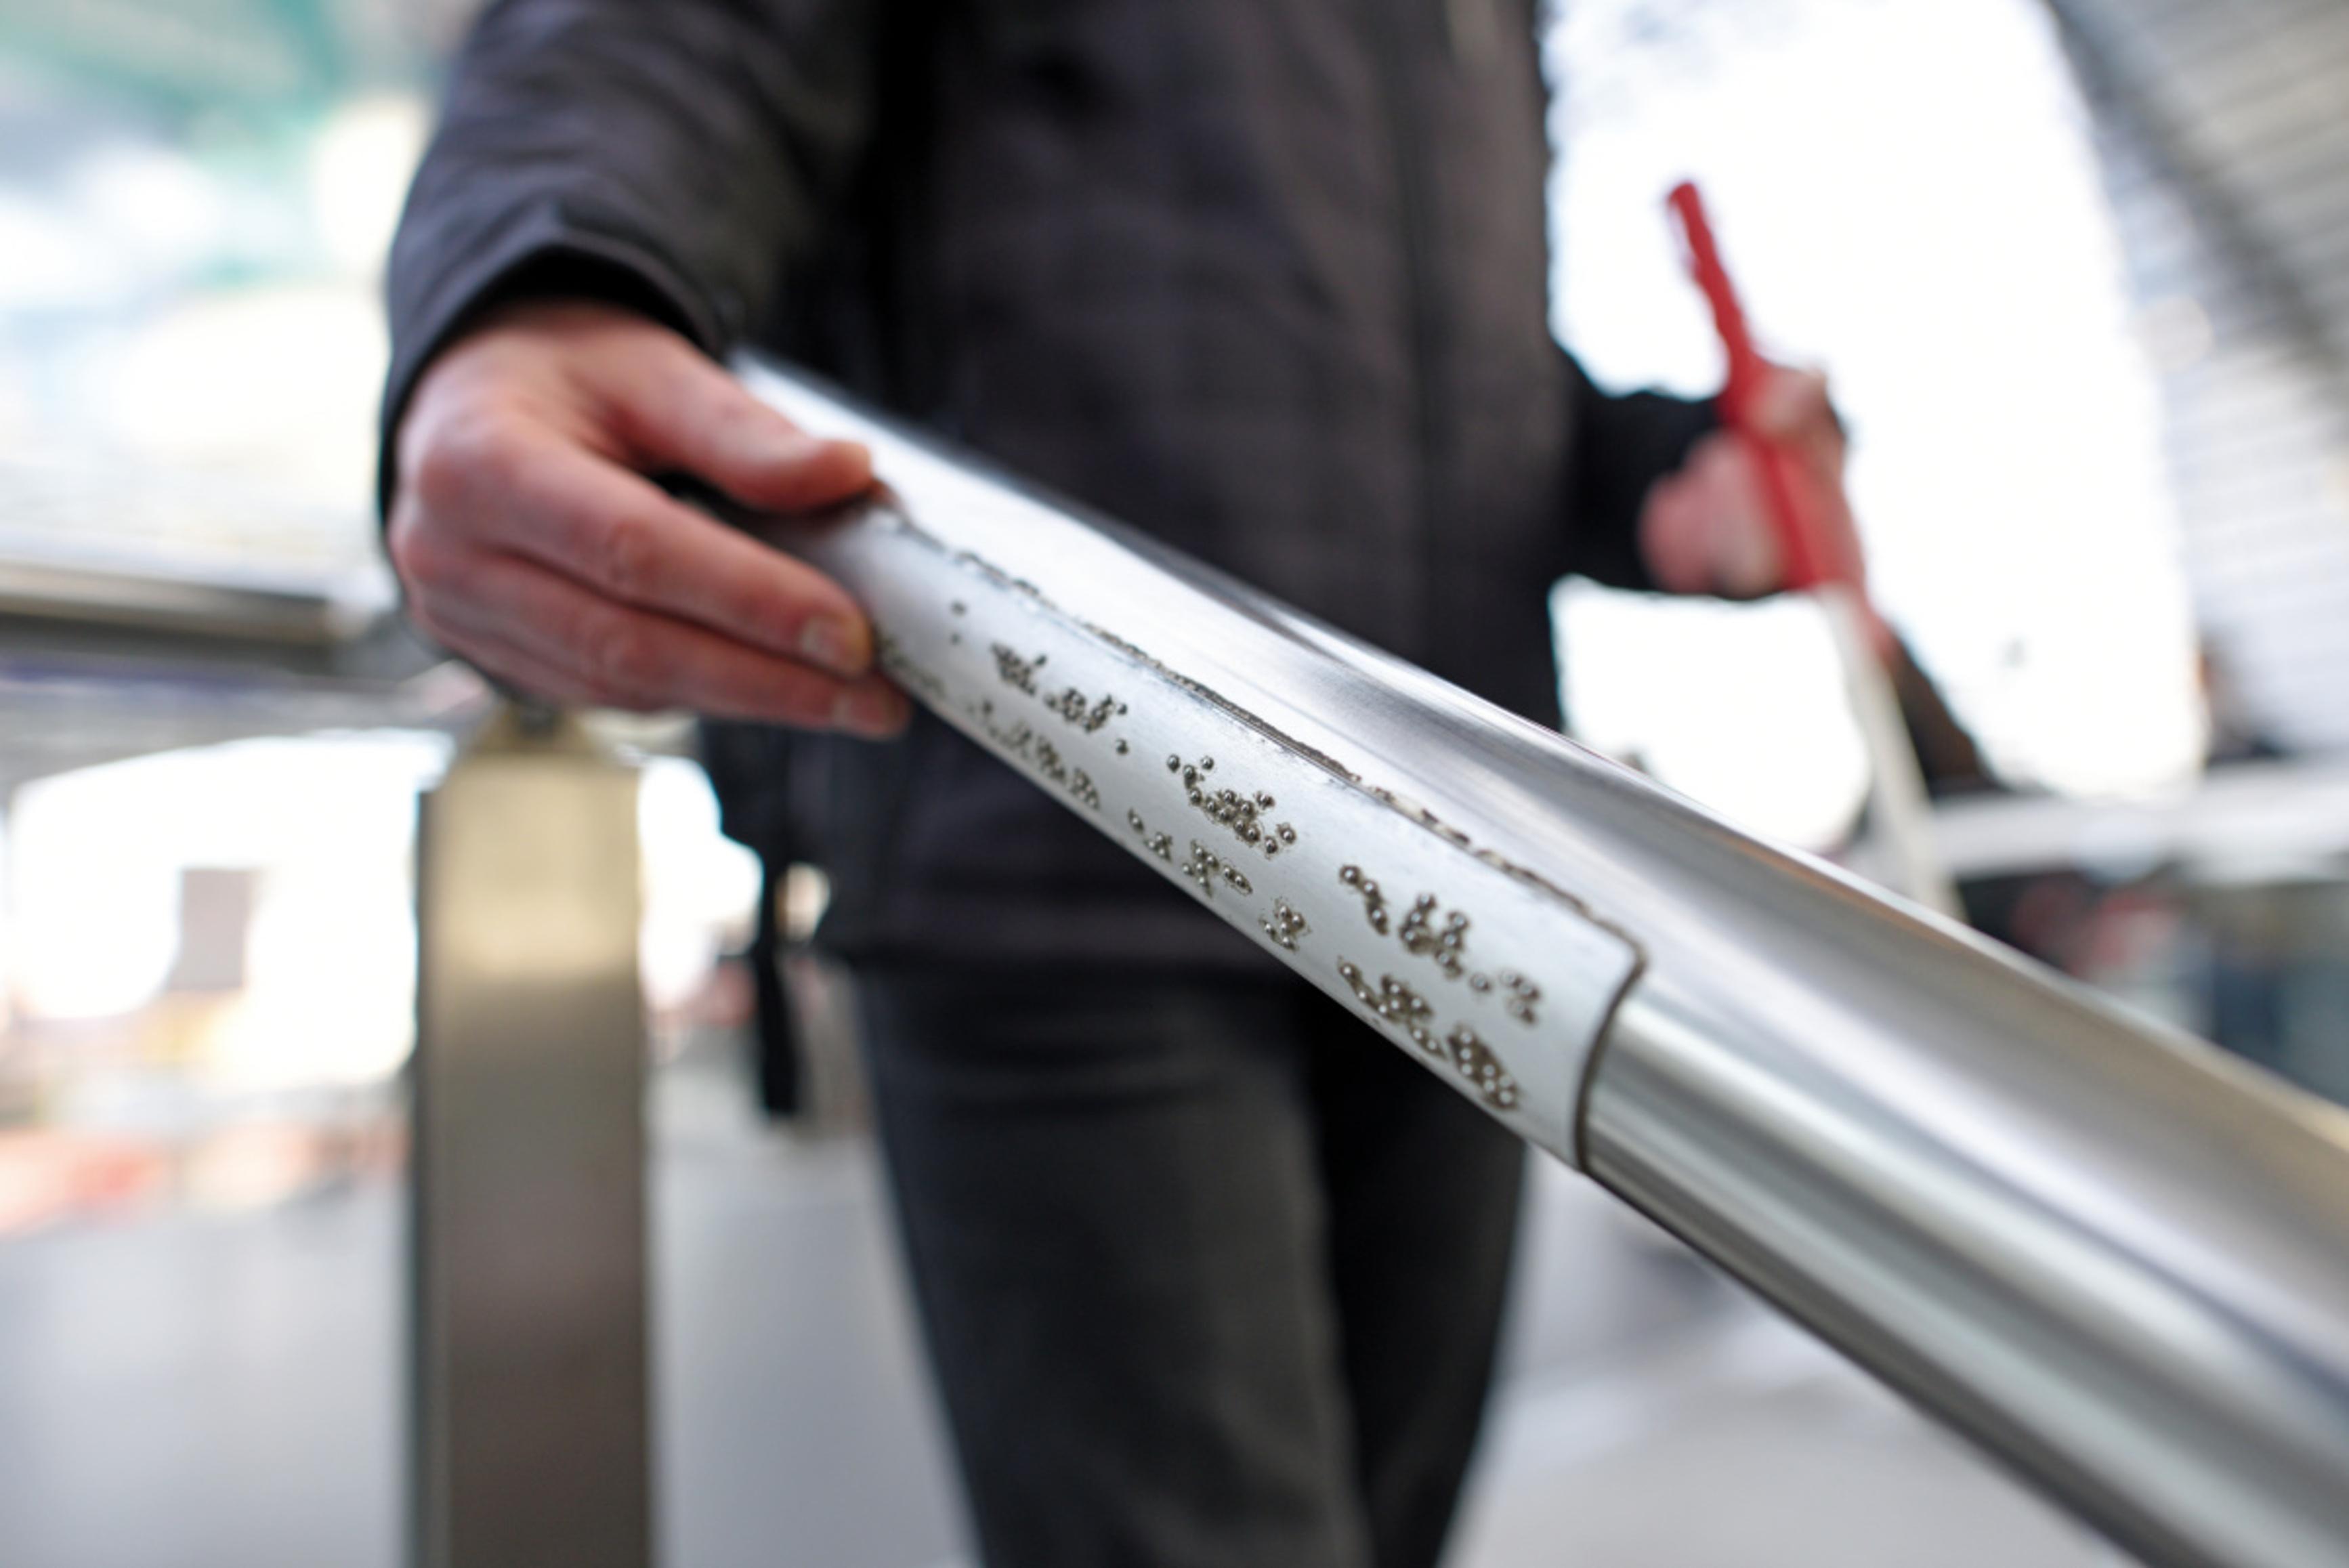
pixel 628 553
pixel 421 557
pixel 459 459
pixel 624 666
pixel 434 479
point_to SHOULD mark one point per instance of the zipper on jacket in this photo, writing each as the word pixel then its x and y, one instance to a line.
pixel 1392 53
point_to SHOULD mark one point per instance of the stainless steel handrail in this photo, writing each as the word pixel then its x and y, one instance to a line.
pixel 2116 1259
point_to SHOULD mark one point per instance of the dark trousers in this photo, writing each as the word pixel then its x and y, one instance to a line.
pixel 1211 1275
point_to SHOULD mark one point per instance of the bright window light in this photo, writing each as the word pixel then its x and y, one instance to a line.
pixel 1907 195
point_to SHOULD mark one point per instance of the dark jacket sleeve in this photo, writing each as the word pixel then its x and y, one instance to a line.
pixel 1623 445
pixel 675 155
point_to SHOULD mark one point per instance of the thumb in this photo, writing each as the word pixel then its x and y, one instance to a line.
pixel 680 410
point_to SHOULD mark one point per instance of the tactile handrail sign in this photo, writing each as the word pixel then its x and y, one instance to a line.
pixel 1497 980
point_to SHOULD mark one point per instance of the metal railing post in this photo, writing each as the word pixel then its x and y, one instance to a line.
pixel 530 1399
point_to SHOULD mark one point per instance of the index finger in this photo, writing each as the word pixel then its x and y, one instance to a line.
pixel 616 531
pixel 675 408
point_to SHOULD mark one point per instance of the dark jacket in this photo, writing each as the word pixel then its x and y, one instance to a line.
pixel 1266 278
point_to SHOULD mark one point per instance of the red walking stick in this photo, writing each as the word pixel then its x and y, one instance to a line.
pixel 1825 560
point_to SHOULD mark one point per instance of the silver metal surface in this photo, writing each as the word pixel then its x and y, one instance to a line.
pixel 2118 1261
pixel 84 581
pixel 530 1417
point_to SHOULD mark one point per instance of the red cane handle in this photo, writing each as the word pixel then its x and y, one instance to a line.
pixel 1747 370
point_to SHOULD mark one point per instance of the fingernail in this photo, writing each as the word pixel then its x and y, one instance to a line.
pixel 828 643
pixel 869 711
pixel 858 457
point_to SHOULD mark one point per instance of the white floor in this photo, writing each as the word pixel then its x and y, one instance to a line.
pixel 188 1392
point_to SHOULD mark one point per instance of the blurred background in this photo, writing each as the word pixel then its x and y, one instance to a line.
pixel 2080 272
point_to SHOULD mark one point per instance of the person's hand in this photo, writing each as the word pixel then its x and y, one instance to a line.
pixel 530 540
pixel 1707 528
